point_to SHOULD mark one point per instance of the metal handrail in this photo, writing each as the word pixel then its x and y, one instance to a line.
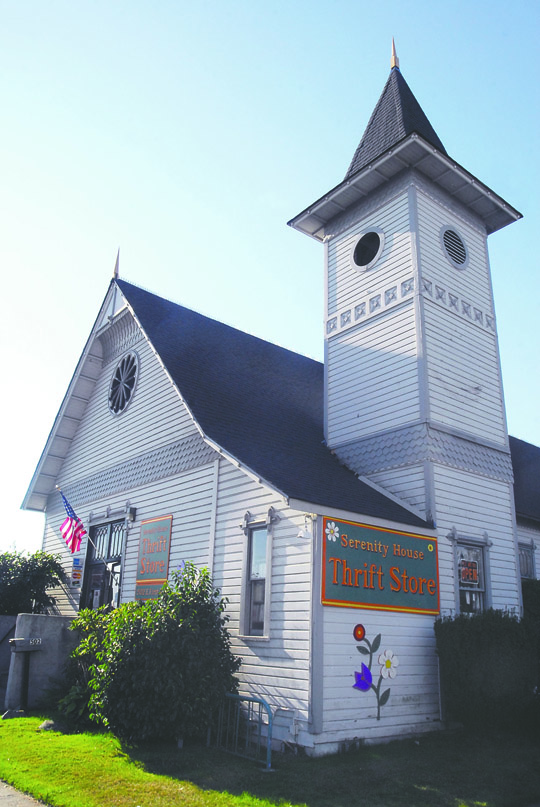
pixel 231 728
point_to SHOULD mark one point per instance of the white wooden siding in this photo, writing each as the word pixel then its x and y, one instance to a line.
pixel 463 375
pixel 413 704
pixel 475 505
pixel 373 377
pixel 154 418
pixel 472 283
pixel 276 669
pixel 187 497
pixel 406 483
pixel 347 284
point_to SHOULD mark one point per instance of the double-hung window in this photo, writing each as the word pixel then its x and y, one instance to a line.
pixel 526 561
pixel 256 589
pixel 472 578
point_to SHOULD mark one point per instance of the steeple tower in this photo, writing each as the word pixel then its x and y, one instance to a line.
pixel 396 116
pixel 414 397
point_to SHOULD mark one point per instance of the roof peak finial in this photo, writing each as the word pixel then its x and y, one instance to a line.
pixel 117 265
pixel 394 61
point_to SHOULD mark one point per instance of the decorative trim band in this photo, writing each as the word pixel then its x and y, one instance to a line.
pixel 121 335
pixel 368 306
pixel 416 444
pixel 175 458
pixel 462 308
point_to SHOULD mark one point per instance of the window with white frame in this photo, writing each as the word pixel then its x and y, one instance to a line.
pixel 526 561
pixel 256 580
pixel 471 577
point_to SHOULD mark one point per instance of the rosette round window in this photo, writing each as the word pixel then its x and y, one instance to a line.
pixel 123 383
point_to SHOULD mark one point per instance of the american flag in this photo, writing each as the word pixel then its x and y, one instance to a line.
pixel 72 528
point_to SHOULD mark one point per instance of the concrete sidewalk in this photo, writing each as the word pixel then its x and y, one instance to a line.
pixel 9 797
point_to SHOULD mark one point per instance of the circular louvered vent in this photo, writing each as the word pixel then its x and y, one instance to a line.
pixel 454 246
pixel 367 249
pixel 123 383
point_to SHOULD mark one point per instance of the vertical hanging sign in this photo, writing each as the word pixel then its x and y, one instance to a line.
pixel 153 562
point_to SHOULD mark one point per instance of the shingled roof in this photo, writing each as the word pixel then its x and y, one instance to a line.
pixel 260 403
pixel 396 115
pixel 526 464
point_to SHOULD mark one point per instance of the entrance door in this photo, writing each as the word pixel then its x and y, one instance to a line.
pixel 103 569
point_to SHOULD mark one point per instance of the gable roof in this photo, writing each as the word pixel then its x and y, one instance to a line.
pixel 526 464
pixel 396 115
pixel 262 404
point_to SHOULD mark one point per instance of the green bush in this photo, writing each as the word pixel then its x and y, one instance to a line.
pixel 161 668
pixel 531 610
pixel 487 668
pixel 91 627
pixel 24 580
pixel 531 599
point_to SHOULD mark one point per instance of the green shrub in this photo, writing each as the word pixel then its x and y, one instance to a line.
pixel 531 599
pixel 531 610
pixel 158 669
pixel 487 668
pixel 24 580
pixel 91 626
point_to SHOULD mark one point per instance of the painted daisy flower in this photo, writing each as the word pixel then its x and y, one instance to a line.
pixel 332 531
pixel 389 663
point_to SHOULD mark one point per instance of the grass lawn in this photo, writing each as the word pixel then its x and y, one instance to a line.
pixel 93 770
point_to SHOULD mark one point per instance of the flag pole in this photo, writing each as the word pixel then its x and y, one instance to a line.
pixel 97 554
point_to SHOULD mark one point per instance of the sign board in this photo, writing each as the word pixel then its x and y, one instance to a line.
pixel 77 569
pixel 153 562
pixel 372 567
pixel 468 572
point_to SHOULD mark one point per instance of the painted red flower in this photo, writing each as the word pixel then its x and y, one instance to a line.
pixel 359 632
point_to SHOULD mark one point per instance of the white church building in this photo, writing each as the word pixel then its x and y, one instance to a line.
pixel 339 506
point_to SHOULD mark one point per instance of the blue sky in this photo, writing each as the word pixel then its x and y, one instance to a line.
pixel 189 133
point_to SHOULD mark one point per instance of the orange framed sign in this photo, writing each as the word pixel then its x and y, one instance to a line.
pixel 372 567
pixel 153 561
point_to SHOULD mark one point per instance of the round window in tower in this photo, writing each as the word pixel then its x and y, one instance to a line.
pixel 454 247
pixel 123 383
pixel 367 250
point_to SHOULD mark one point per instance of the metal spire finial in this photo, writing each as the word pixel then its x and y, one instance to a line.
pixel 394 61
pixel 117 265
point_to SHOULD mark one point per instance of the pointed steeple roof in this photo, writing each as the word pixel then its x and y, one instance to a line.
pixel 396 115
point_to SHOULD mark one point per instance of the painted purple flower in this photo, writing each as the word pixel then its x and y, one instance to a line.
pixel 363 679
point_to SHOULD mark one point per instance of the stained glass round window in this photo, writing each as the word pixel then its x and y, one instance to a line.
pixel 123 383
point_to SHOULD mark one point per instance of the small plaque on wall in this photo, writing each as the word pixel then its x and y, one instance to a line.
pixel 153 562
pixel 77 569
